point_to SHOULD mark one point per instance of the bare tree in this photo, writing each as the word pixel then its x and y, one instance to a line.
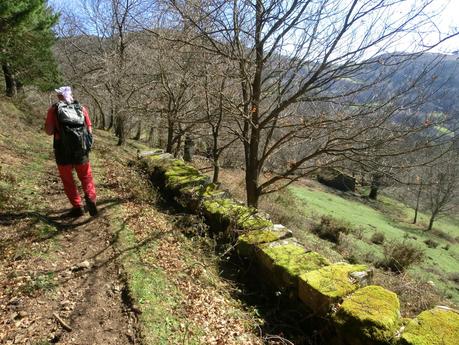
pixel 104 56
pixel 443 186
pixel 297 58
pixel 219 95
pixel 177 101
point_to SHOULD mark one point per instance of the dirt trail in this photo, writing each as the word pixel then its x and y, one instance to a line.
pixel 59 277
pixel 64 280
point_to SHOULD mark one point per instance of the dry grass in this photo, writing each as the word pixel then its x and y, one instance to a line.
pixel 415 296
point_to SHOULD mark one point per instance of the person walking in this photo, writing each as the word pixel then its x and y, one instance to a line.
pixel 69 123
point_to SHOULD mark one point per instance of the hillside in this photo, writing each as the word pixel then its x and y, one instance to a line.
pixel 393 220
pixel 302 206
pixel 128 276
pixel 143 271
pixel 433 94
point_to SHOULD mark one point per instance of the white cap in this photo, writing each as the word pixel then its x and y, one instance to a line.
pixel 66 92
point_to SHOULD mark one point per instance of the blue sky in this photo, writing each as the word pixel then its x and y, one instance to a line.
pixel 446 19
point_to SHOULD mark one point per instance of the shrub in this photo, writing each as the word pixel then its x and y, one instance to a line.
pixel 398 256
pixel 431 243
pixel 443 235
pixel 358 232
pixel 454 277
pixel 330 229
pixel 415 295
pixel 378 238
pixel 446 247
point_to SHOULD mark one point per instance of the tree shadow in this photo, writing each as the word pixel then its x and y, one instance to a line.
pixel 285 320
pixel 58 219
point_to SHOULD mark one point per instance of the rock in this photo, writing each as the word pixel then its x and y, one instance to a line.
pixel 246 244
pixel 438 326
pixel 23 314
pixel 363 278
pixel 369 316
pixel 336 179
pixel 14 301
pixel 321 288
pixel 285 260
pixel 81 266
pixel 150 153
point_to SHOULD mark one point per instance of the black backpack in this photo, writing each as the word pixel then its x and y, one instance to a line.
pixel 75 140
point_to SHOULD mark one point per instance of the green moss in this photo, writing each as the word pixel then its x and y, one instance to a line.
pixel 158 160
pixel 210 190
pixel 179 175
pixel 371 314
pixel 333 281
pixel 247 242
pixel 242 217
pixel 293 258
pixel 432 327
pixel 260 236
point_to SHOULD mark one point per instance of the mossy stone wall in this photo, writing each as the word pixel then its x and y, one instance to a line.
pixel 362 314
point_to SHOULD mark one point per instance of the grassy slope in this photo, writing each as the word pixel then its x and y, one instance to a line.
pixel 173 279
pixel 393 219
pixel 162 295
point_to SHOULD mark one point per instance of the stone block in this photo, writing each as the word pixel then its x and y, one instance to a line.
pixel 321 288
pixel 247 244
pixel 180 175
pixel 438 326
pixel 222 213
pixel 287 259
pixel 369 316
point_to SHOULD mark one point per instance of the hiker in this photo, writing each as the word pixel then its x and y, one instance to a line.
pixel 69 122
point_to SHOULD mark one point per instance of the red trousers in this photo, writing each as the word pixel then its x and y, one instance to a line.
pixel 84 175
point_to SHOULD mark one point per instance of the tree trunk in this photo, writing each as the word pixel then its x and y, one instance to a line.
pixel 215 159
pixel 418 197
pixel 251 184
pixel 151 136
pixel 373 193
pixel 170 136
pixel 188 149
pixel 102 123
pixel 120 130
pixel 216 171
pixel 10 81
pixel 431 221
pixel 253 168
pixel 112 119
pixel 139 131
pixel 178 146
pixel 19 87
pixel 375 184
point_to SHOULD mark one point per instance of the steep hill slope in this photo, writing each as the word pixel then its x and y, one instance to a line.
pixel 129 276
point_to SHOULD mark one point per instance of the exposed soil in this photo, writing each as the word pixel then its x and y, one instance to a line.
pixel 62 280
pixel 59 277
pixel 65 280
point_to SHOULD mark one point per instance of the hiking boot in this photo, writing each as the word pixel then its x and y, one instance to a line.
pixel 91 206
pixel 76 212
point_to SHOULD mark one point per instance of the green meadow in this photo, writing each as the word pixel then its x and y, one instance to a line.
pixel 393 219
